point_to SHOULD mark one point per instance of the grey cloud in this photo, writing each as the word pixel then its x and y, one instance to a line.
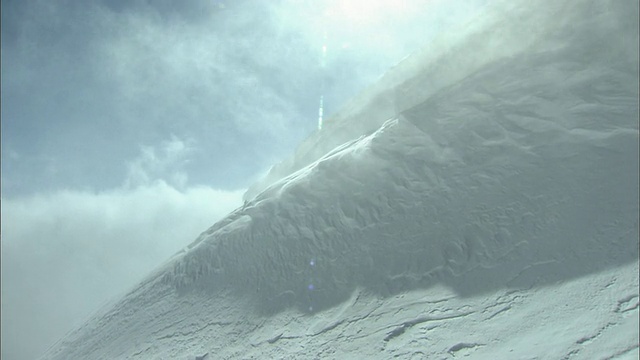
pixel 86 80
pixel 160 164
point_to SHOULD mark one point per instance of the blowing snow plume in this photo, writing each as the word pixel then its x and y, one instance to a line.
pixel 481 199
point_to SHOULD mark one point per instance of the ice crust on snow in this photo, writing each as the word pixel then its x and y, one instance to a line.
pixel 482 185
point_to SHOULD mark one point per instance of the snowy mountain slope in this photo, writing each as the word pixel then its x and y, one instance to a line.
pixel 493 215
pixel 569 32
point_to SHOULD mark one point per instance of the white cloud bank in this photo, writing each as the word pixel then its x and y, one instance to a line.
pixel 66 253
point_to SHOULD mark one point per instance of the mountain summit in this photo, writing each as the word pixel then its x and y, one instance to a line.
pixel 481 199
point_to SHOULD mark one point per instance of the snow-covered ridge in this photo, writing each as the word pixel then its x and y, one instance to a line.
pixel 428 196
pixel 510 184
pixel 501 30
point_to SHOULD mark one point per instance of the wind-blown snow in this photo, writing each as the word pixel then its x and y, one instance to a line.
pixel 481 199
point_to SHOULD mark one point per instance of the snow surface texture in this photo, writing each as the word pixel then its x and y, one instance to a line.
pixel 481 200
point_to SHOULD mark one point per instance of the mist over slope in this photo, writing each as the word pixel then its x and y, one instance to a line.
pixel 492 177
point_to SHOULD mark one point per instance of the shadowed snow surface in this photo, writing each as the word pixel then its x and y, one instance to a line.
pixel 481 199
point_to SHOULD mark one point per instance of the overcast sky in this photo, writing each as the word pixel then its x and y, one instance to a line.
pixel 128 127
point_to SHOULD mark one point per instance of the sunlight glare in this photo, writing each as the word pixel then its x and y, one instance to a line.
pixel 365 13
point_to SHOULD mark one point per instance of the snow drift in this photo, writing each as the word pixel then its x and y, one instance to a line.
pixel 501 160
